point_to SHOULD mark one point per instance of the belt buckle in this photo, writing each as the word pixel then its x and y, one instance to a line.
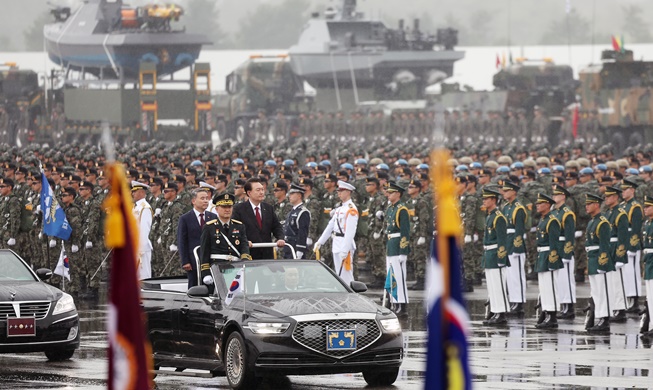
pixel 230 258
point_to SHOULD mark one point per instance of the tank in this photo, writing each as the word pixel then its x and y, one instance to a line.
pixel 616 97
pixel 109 40
pixel 354 55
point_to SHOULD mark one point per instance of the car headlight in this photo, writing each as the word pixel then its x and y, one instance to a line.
pixel 268 327
pixel 64 304
pixel 391 325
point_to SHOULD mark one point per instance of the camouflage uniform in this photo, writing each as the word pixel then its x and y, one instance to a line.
pixel 376 258
pixel 529 192
pixel 10 211
pixel 313 206
pixel 578 193
pixel 91 211
pixel 419 229
pixel 329 202
pixel 77 267
pixel 170 215
pixel 470 205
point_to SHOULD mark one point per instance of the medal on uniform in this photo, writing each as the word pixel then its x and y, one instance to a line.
pixel 237 242
pixel 217 240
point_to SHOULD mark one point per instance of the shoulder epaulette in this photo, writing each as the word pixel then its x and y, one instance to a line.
pixel 211 222
pixel 236 221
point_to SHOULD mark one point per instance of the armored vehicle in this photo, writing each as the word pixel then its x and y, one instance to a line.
pixel 617 93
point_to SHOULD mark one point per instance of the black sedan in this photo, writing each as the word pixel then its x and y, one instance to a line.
pixel 34 316
pixel 270 318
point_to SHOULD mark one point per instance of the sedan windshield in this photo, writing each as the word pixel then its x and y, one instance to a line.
pixel 11 268
pixel 281 277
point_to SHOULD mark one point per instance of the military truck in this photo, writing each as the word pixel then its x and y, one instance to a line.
pixel 258 90
pixel 618 92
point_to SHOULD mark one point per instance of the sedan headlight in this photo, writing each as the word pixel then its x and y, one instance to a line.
pixel 391 325
pixel 64 304
pixel 268 327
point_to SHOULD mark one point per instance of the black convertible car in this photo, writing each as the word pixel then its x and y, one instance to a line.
pixel 269 318
pixel 34 316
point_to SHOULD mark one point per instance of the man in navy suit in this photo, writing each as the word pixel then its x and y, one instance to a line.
pixel 190 230
pixel 259 219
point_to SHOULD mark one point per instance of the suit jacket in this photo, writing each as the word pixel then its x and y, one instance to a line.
pixel 188 237
pixel 244 213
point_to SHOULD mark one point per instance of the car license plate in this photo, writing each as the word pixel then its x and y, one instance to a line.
pixel 341 339
pixel 21 327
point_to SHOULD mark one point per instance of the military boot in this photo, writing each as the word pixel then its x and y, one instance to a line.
pixel 644 321
pixel 550 322
pixel 619 316
pixel 517 309
pixel 633 306
pixel 602 327
pixel 568 313
pixel 589 316
pixel 498 319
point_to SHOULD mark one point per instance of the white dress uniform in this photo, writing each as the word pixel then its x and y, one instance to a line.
pixel 143 215
pixel 342 227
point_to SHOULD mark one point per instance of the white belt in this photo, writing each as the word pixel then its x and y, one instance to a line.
pixel 543 248
pixel 490 247
pixel 225 257
pixel 648 251
pixel 394 235
pixel 614 239
pixel 510 231
pixel 592 248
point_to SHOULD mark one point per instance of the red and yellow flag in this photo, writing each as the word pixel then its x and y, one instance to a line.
pixel 130 354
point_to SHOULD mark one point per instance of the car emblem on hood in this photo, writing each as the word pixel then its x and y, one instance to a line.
pixel 12 295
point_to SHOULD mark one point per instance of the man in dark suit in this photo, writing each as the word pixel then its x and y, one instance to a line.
pixel 259 219
pixel 189 232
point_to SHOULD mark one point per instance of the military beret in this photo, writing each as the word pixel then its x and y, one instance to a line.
pixel 225 171
pixel 306 181
pixel 180 179
pixel 264 172
pixel 143 177
pixel 86 184
pixel 331 177
pixel 280 185
pixel 416 182
pixel 461 179
pixel 70 191
pixel 22 170
pixel 244 175
pixel 190 171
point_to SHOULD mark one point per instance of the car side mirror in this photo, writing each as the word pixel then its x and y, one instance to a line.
pixel 198 292
pixel 357 286
pixel 44 273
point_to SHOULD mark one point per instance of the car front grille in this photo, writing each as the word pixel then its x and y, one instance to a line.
pixel 37 309
pixel 312 334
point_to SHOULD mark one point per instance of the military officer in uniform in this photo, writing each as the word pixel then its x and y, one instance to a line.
pixel 495 258
pixel 618 239
pixel 143 214
pixel 376 210
pixel 632 272
pixel 548 260
pixel 397 229
pixel 565 276
pixel 10 209
pixel 342 227
pixel 647 241
pixel 600 262
pixel 297 224
pixel 222 239
pixel 515 214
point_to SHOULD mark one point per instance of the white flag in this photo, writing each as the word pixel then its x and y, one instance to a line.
pixel 63 266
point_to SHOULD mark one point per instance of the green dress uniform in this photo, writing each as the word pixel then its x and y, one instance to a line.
pixel 618 241
pixel 548 260
pixel 632 272
pixel 565 275
pixel 495 259
pixel 647 242
pixel 515 214
pixel 397 229
pixel 599 263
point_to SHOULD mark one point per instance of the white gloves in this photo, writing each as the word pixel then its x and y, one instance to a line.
pixel 300 255
pixel 208 280
pixel 74 249
pixel 316 247
pixel 578 234
pixel 52 243
pixel 38 208
pixel 376 236
pixel 379 215
pixel 475 237
pixel 173 248
pixel 89 245
pixel 421 241
pixel 331 213
pixel 468 239
pixel 600 271
pixel 11 242
pixel 403 258
pixel 618 265
pixel 566 261
pixel 158 240
pixel 40 236
pixel 157 212
pixel 309 241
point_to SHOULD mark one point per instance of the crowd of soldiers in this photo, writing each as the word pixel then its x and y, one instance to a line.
pixel 171 171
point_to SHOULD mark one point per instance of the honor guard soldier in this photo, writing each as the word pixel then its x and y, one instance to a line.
pixel 222 239
pixel 565 276
pixel 297 224
pixel 548 261
pixel 600 263
pixel 618 239
pixel 397 222
pixel 342 227
pixel 647 240
pixel 515 214
pixel 632 272
pixel 143 214
pixel 495 258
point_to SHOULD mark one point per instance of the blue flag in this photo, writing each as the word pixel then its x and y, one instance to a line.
pixel 55 223
pixel 391 283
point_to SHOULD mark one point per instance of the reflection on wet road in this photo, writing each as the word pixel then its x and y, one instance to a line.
pixel 516 356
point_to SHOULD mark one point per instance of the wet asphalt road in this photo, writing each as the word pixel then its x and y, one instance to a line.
pixel 516 356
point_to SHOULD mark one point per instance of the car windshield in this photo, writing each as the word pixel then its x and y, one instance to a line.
pixel 11 268
pixel 278 277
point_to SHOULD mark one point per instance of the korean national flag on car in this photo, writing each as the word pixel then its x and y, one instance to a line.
pixel 63 266
pixel 55 223
pixel 237 285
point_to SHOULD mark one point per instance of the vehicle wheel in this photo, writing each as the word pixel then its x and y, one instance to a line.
pixel 59 354
pixel 381 377
pixel 235 358
pixel 241 131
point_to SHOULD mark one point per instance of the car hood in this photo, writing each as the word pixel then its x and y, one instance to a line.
pixel 296 304
pixel 28 291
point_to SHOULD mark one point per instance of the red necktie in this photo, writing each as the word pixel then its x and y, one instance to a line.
pixel 201 220
pixel 258 219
